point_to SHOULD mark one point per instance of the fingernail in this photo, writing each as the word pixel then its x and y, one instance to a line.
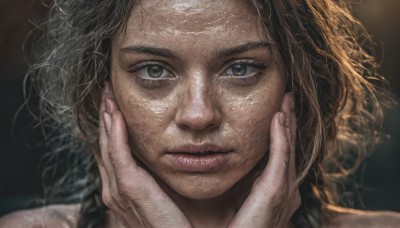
pixel 292 103
pixel 107 122
pixel 108 105
pixel 282 119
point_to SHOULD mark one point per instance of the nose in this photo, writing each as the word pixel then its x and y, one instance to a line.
pixel 199 107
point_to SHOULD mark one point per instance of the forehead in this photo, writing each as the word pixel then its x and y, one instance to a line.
pixel 172 23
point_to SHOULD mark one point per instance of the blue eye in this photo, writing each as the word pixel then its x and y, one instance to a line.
pixel 154 71
pixel 150 70
pixel 151 74
pixel 240 70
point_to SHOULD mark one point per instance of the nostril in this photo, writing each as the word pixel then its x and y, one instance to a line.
pixel 198 108
pixel 198 117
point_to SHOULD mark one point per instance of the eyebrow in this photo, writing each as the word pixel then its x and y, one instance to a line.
pixel 149 50
pixel 242 48
pixel 164 52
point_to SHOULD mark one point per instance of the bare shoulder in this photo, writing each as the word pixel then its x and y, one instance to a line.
pixel 49 216
pixel 345 217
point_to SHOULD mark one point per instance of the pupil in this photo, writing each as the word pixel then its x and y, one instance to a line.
pixel 239 70
pixel 154 71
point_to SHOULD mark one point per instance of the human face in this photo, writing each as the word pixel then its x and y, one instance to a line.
pixel 198 84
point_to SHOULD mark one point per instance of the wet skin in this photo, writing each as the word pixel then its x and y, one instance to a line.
pixel 197 72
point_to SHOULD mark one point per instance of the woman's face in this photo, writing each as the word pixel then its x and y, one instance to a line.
pixel 198 85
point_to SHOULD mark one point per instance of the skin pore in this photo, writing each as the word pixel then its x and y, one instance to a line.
pixel 196 75
pixel 195 72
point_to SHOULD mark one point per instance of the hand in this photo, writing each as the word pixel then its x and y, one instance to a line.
pixel 138 201
pixel 275 196
pixel 129 191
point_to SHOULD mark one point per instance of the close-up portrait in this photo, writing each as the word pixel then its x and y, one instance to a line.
pixel 200 113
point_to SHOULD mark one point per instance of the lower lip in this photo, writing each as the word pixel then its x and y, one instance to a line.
pixel 200 163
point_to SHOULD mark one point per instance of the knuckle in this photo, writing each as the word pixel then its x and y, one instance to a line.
pixel 111 150
pixel 111 153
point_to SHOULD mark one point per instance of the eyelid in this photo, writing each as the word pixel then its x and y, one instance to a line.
pixel 251 62
pixel 247 80
pixel 149 82
pixel 138 66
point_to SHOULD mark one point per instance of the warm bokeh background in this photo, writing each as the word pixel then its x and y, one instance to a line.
pixel 378 181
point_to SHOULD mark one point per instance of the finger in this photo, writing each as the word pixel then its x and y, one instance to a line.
pixel 128 175
pixel 275 176
pixel 119 151
pixel 288 108
pixel 277 167
pixel 102 135
pixel 103 141
pixel 107 106
pixel 101 157
pixel 111 106
pixel 108 92
pixel 103 138
pixel 269 189
pixel 135 183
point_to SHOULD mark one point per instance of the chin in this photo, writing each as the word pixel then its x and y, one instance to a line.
pixel 201 187
pixel 201 193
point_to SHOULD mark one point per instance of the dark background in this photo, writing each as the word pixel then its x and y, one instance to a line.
pixel 378 181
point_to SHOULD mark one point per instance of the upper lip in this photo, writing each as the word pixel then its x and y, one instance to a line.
pixel 199 148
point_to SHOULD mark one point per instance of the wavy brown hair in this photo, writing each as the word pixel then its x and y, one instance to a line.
pixel 326 55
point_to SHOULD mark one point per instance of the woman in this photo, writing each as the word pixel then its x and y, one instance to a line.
pixel 208 113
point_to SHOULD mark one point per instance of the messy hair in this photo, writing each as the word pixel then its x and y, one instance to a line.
pixel 339 95
pixel 327 60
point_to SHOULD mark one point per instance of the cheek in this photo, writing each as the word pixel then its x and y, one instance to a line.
pixel 250 119
pixel 145 121
pixel 254 132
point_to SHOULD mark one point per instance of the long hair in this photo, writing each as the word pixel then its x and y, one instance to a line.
pixel 326 55
pixel 340 96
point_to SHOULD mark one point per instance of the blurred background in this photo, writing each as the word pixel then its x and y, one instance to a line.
pixel 378 181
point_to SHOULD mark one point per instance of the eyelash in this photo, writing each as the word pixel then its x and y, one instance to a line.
pixel 259 68
pixel 149 82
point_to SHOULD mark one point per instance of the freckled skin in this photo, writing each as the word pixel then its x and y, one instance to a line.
pixel 196 104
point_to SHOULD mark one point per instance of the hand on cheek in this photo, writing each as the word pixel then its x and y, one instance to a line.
pixel 138 201
pixel 275 195
pixel 128 190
